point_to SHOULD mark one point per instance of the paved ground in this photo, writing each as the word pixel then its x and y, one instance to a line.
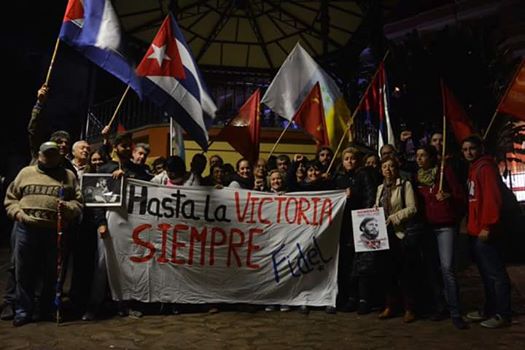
pixel 238 330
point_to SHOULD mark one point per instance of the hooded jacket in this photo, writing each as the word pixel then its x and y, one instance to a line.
pixel 484 196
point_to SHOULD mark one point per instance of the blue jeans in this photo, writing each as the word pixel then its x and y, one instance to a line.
pixel 495 279
pixel 35 257
pixel 10 286
pixel 445 239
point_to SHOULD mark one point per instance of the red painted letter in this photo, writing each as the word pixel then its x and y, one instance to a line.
pixel 138 241
pixel 232 246
pixel 175 245
pixel 215 242
pixel 164 228
pixel 195 236
pixel 252 248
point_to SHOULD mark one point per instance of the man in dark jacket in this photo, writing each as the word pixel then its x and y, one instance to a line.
pixel 123 167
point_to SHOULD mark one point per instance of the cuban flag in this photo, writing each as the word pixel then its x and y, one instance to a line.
pixel 92 28
pixel 173 82
pixel 385 131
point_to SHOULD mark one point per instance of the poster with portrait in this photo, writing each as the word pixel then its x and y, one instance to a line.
pixel 101 190
pixel 370 232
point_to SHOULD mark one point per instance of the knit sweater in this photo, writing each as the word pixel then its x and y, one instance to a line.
pixel 35 193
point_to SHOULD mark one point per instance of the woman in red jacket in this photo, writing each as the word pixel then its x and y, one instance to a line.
pixel 442 210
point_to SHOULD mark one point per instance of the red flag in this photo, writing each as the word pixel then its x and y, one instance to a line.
pixel 373 99
pixel 455 114
pixel 74 11
pixel 242 133
pixel 310 116
pixel 120 128
pixel 513 102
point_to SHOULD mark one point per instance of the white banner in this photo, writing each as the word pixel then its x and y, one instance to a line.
pixel 201 245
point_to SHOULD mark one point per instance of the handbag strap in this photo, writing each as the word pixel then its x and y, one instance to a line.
pixel 403 200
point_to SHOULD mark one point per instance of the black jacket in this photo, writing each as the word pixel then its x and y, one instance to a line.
pixel 131 170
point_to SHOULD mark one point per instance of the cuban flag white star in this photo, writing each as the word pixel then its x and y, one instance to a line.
pixel 159 53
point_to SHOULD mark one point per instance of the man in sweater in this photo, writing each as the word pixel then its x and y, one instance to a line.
pixel 38 196
pixel 483 226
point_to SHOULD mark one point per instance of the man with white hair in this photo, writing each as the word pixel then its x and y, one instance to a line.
pixel 80 151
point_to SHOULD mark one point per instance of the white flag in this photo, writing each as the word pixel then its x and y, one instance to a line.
pixel 292 83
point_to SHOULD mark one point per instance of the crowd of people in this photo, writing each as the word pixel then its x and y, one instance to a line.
pixel 424 197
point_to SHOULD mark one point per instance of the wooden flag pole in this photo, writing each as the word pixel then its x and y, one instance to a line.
pixel 491 122
pixel 171 136
pixel 118 107
pixel 361 100
pixel 48 76
pixel 209 145
pixel 503 98
pixel 279 139
pixel 443 149
pixel 340 143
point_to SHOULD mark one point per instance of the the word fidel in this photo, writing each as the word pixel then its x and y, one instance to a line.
pixel 299 260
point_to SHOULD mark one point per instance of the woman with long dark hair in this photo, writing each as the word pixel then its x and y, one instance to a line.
pixel 442 209
pixel 243 177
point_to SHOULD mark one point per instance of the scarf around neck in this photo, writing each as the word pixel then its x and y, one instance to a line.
pixel 427 177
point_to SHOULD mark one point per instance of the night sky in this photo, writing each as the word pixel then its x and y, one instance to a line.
pixel 462 57
pixel 27 47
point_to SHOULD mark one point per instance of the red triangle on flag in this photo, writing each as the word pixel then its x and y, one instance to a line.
pixel 310 116
pixel 242 132
pixel 74 10
pixel 162 57
pixel 120 128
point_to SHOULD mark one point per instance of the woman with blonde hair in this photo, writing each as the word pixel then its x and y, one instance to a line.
pixel 355 270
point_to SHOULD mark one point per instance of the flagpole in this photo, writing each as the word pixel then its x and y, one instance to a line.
pixel 443 149
pixel 357 109
pixel 171 136
pixel 279 139
pixel 340 144
pixel 59 267
pixel 50 68
pixel 118 106
pixel 502 99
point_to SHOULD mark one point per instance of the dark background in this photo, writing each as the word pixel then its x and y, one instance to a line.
pixel 465 55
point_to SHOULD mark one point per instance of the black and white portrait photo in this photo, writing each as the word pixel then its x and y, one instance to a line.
pixel 101 190
pixel 369 228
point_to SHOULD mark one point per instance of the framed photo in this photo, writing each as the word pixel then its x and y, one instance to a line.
pixel 369 229
pixel 101 190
